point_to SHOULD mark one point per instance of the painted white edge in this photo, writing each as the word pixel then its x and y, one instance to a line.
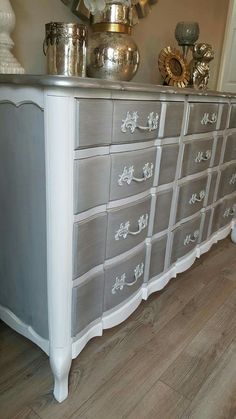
pixel 24 329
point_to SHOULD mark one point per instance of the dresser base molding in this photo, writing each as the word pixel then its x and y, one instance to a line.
pixel 24 329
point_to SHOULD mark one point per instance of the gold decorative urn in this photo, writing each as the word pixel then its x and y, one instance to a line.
pixel 112 54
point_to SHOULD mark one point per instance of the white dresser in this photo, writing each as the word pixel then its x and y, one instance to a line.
pixel 108 190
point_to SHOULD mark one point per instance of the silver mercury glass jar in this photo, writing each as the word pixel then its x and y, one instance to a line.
pixel 112 54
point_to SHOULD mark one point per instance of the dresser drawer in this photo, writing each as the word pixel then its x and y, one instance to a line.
pixel 169 158
pixel 87 302
pixel 89 244
pixel 127 227
pixel 205 231
pixel 162 210
pixel 197 156
pixel 191 197
pixel 132 172
pixel 227 181
pixel 135 120
pixel 185 238
pixel 91 182
pixel 211 193
pixel 173 119
pixel 202 117
pixel 218 150
pixel 232 118
pixel 93 122
pixel 224 213
pixel 158 253
pixel 230 149
pixel 224 116
pixel 123 278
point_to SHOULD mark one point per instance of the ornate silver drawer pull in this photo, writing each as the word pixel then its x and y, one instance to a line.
pixel 191 238
pixel 130 122
pixel 206 119
pixel 233 179
pixel 121 281
pixel 124 231
pixel 197 197
pixel 229 212
pixel 128 174
pixel 202 156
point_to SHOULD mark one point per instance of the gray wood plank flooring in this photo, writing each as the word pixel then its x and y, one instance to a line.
pixel 174 358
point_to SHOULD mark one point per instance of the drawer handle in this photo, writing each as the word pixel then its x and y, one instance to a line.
pixel 197 197
pixel 233 179
pixel 130 122
pixel 191 238
pixel 206 119
pixel 202 156
pixel 128 174
pixel 121 281
pixel 124 231
pixel 229 212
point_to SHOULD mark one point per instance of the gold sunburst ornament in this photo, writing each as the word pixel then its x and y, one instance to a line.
pixel 173 67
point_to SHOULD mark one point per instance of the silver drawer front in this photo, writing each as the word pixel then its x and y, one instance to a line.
pixel 127 227
pixel 218 151
pixel 207 218
pixel 132 172
pixel 197 156
pixel 210 198
pixel 185 238
pixel 123 279
pixel 224 213
pixel 89 238
pixel 87 302
pixel 191 197
pixel 135 120
pixel 227 181
pixel 232 118
pixel 93 122
pixel 162 211
pixel 169 158
pixel 173 119
pixel 202 117
pixel 217 213
pixel 158 253
pixel 91 182
pixel 230 150
pixel 224 116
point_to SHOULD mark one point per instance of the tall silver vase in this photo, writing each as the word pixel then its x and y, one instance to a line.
pixel 112 53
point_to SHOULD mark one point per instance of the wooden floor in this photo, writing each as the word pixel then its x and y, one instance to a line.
pixel 175 357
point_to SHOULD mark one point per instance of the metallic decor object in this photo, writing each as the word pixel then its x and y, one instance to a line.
pixel 199 67
pixel 186 34
pixel 173 67
pixel 65 48
pixel 112 54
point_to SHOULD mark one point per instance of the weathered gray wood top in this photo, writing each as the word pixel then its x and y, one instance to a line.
pixel 88 83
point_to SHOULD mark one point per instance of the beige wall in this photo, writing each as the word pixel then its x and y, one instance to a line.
pixel 151 34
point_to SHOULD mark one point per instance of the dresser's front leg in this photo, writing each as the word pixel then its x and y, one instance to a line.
pixel 233 234
pixel 60 361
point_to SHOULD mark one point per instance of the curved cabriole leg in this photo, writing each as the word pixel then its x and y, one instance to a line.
pixel 233 234
pixel 60 361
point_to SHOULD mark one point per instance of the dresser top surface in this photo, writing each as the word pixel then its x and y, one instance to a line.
pixel 90 83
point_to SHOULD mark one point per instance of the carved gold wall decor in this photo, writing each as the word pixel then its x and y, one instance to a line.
pixel 173 67
pixel 140 8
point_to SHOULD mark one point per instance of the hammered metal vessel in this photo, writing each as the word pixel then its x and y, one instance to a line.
pixel 112 53
pixel 65 48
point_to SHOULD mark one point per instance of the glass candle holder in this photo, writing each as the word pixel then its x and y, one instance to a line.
pixel 186 34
